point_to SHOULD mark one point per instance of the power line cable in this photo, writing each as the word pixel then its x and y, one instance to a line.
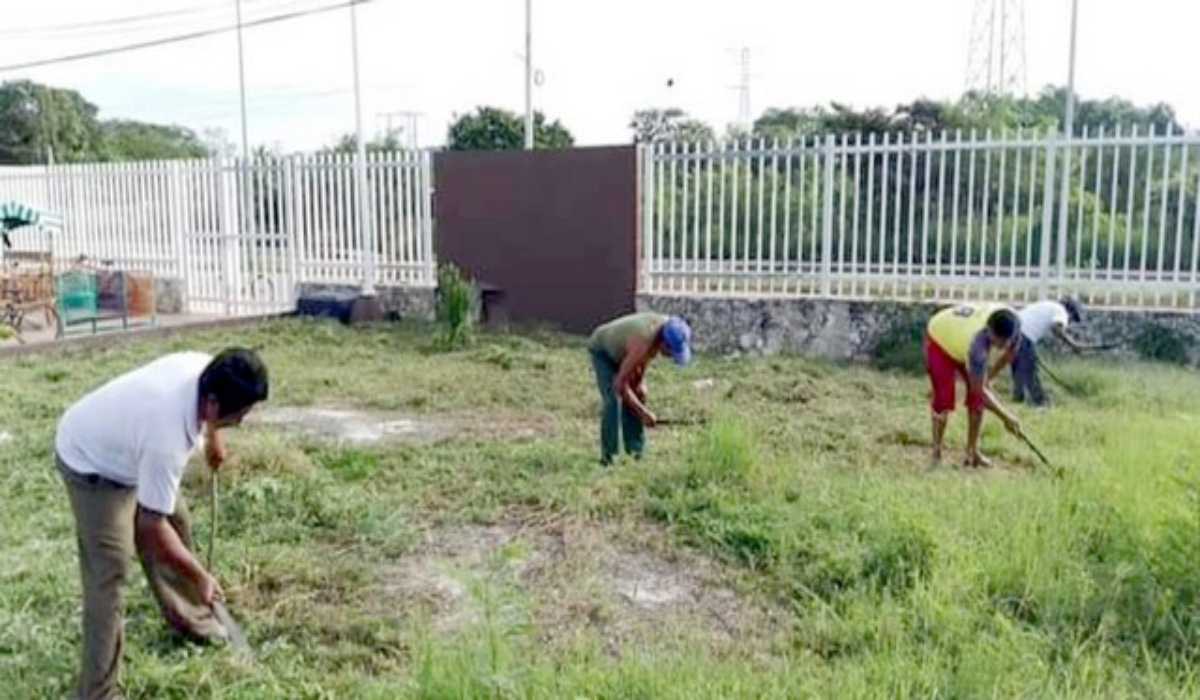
pixel 114 24
pixel 191 36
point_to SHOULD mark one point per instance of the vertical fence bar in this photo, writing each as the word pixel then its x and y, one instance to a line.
pixel 985 215
pixel 710 156
pixel 646 156
pixel 758 238
pixel 744 267
pixel 1195 248
pixel 1112 217
pixel 697 177
pixel 785 244
pixel 955 208
pixel 920 270
pixel 1094 256
pixel 1184 174
pixel 815 227
pixel 842 196
pixel 869 211
pixel 429 259
pixel 939 235
pixel 828 176
pixel 721 227
pixel 1047 217
pixel 774 215
pixel 965 287
pixel 801 280
pixel 1159 277
pixel 912 221
pixel 1001 212
pixel 1131 185
pixel 671 256
pixel 878 267
pixel 1140 286
pixel 1084 158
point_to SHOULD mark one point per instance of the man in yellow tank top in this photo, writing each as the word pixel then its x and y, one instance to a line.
pixel 958 341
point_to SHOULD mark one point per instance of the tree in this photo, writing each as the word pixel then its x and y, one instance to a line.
pixel 672 124
pixel 495 129
pixel 348 143
pixel 133 140
pixel 37 121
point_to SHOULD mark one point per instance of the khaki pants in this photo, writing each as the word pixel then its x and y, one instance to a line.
pixel 104 525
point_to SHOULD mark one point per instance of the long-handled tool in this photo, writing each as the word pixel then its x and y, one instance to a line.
pixel 676 422
pixel 231 626
pixel 1069 388
pixel 1037 451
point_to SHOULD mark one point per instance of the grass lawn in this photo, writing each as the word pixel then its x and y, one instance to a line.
pixel 462 541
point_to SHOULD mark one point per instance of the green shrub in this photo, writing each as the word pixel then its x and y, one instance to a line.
pixel 898 346
pixel 456 308
pixel 1158 343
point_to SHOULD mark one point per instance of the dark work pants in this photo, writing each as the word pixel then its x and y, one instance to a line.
pixel 1027 386
pixel 615 416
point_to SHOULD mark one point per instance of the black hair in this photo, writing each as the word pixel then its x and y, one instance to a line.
pixel 1074 309
pixel 236 378
pixel 1004 323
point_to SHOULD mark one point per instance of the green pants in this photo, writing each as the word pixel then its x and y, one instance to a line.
pixel 104 525
pixel 614 412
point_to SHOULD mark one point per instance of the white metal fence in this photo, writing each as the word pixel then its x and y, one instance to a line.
pixel 240 237
pixel 925 217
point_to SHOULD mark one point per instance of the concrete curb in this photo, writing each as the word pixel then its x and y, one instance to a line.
pixel 114 339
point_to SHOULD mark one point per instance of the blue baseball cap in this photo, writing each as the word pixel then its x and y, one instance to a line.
pixel 677 338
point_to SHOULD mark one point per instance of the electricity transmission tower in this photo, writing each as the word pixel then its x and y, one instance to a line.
pixel 996 64
pixel 745 76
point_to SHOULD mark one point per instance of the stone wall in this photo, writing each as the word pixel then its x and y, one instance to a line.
pixel 850 330
pixel 398 302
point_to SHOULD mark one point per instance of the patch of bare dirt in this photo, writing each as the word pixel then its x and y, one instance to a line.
pixel 572 581
pixel 357 427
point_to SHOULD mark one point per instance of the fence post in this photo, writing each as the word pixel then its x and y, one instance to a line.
pixel 827 218
pixel 1064 209
pixel 645 232
pixel 1047 217
pixel 175 206
pixel 428 190
pixel 231 212
pixel 290 189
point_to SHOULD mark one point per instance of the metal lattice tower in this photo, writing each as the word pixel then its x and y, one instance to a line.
pixel 996 64
pixel 744 88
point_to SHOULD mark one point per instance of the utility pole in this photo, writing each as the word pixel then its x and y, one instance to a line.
pixel 366 229
pixel 528 75
pixel 1068 135
pixel 242 82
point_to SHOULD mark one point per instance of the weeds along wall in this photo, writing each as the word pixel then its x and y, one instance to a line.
pixel 889 333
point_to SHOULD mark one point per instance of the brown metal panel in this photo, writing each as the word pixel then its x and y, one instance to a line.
pixel 555 231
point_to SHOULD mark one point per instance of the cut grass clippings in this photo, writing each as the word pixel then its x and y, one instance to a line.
pixel 792 543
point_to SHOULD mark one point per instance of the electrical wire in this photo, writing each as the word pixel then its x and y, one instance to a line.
pixel 191 36
pixel 115 25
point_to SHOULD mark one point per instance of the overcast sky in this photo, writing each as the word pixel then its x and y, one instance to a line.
pixel 600 60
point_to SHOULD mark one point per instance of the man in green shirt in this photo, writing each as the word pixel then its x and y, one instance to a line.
pixel 620 351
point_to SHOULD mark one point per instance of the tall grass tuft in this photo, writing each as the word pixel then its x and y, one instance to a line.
pixel 456 310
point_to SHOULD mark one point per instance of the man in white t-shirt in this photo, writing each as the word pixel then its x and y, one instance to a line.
pixel 1038 320
pixel 122 451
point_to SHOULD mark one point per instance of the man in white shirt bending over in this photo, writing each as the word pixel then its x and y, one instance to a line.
pixel 1037 320
pixel 122 450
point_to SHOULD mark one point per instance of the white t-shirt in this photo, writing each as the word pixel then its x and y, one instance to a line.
pixel 139 429
pixel 1039 317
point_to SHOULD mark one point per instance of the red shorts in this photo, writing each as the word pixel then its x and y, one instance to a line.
pixel 942 368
